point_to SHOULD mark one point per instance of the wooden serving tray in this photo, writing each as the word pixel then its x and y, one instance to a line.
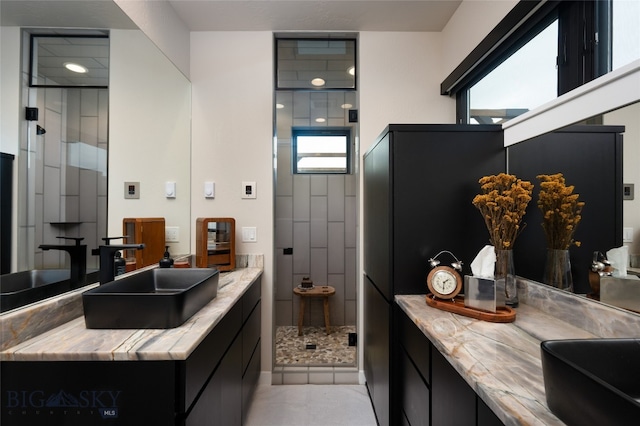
pixel 504 314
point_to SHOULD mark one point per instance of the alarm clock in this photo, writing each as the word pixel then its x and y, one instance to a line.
pixel 444 282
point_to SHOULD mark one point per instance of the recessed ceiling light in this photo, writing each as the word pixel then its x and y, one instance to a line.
pixel 351 70
pixel 320 120
pixel 318 82
pixel 75 67
pixel 346 106
pixel 279 106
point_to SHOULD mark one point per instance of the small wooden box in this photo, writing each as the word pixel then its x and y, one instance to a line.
pixel 216 243
pixel 149 231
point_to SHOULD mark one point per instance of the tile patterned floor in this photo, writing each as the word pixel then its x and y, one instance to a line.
pixel 330 350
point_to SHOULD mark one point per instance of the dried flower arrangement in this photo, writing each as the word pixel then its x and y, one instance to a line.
pixel 503 203
pixel 561 211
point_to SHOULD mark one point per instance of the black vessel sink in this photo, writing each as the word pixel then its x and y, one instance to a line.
pixel 21 288
pixel 593 381
pixel 157 298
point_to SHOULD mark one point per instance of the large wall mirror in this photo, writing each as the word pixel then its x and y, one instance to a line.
pixel 142 135
pixel 611 100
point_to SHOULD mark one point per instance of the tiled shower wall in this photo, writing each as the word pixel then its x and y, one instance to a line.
pixel 67 193
pixel 316 216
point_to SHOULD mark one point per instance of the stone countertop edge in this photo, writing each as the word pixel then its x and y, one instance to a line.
pixel 502 362
pixel 72 341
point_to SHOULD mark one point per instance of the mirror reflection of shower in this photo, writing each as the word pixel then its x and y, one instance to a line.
pixel 62 166
pixel 316 203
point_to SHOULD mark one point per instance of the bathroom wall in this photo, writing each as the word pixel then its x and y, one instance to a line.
pixel 473 20
pixel 232 142
pixel 150 148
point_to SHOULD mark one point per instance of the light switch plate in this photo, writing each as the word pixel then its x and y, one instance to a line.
pixel 249 190
pixel 209 190
pixel 132 190
pixel 249 234
pixel 627 235
pixel 170 189
pixel 627 191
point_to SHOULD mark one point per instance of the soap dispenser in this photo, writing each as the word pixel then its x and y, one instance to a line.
pixel 166 261
pixel 120 265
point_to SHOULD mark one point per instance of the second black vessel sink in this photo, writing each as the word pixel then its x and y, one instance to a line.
pixel 21 288
pixel 593 381
pixel 157 298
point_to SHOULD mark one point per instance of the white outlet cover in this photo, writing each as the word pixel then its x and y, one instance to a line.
pixel 172 234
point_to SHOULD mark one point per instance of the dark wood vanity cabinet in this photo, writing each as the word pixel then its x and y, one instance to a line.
pixel 430 391
pixel 229 362
pixel 213 386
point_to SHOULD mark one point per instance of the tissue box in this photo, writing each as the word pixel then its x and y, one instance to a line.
pixel 621 292
pixel 483 293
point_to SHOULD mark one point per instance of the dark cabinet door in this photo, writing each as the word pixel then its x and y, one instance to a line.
pixel 377 219
pixel 414 392
pixel 377 350
pixel 221 400
pixel 453 402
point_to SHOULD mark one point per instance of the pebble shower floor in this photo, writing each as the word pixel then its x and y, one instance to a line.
pixel 331 350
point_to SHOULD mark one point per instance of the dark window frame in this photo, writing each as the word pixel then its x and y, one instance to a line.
pixel 320 37
pixel 320 131
pixel 584 45
pixel 32 38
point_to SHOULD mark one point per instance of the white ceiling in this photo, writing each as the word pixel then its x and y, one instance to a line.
pixel 241 15
pixel 308 15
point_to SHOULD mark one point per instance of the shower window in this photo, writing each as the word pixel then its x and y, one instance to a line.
pixel 69 61
pixel 321 151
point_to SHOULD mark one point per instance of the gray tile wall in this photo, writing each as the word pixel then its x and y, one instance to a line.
pixel 316 215
pixel 67 174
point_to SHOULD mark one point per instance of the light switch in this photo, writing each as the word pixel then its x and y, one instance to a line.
pixel 132 190
pixel 627 235
pixel 170 189
pixel 249 190
pixel 209 190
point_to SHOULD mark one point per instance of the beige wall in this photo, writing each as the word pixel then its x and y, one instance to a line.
pixel 473 20
pixel 149 135
pixel 232 142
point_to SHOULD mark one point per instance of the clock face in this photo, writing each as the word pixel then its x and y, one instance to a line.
pixel 444 282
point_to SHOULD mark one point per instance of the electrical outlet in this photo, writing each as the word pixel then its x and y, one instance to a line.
pixel 172 234
pixel 249 234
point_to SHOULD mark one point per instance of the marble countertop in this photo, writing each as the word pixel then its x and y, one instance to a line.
pixel 502 362
pixel 72 341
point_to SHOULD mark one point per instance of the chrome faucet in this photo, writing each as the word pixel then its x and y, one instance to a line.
pixel 78 257
pixel 107 256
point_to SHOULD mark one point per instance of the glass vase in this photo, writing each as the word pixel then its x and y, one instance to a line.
pixel 505 277
pixel 557 270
